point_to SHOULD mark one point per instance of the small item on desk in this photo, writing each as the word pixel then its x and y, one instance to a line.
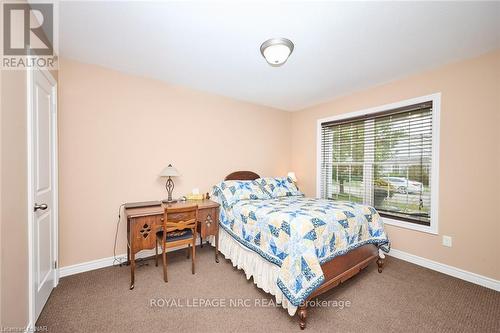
pixel 194 196
pixel 207 196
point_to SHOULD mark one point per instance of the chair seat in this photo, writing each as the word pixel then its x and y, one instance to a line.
pixel 186 234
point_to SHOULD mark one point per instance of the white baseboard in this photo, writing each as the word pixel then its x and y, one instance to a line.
pixel 427 263
pixel 29 328
pixel 446 269
pixel 89 265
pixel 106 262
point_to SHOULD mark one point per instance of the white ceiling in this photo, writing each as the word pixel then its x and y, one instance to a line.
pixel 339 47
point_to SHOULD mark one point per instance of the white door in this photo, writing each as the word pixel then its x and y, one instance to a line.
pixel 43 166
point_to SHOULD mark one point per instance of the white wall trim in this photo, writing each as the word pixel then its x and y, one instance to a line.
pixel 29 199
pixel 29 328
pixel 409 225
pixel 436 111
pixel 420 261
pixel 89 266
pixel 446 269
pixel 106 262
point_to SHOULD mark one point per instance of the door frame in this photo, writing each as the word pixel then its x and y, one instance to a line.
pixel 55 183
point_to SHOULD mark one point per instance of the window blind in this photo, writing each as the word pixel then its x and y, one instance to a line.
pixel 383 160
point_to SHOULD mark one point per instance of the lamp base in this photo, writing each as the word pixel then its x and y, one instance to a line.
pixel 166 201
pixel 169 185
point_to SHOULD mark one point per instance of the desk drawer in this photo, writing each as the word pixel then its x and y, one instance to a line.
pixel 143 231
pixel 208 219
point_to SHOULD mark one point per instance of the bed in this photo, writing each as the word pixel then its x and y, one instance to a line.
pixel 295 248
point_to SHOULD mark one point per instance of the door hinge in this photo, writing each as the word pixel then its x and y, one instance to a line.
pixel 55 264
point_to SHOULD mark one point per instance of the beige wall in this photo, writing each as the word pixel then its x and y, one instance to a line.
pixel 117 132
pixel 14 231
pixel 469 158
pixel 13 200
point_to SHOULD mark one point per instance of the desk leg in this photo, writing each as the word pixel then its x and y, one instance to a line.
pixel 217 246
pixel 132 269
pixel 129 241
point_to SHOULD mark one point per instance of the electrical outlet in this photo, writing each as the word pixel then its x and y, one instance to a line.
pixel 447 241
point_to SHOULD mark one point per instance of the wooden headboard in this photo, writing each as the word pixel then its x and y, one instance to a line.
pixel 242 175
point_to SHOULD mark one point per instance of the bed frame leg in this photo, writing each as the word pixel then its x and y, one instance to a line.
pixel 302 312
pixel 380 264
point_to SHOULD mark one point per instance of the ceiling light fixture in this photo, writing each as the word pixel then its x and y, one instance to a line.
pixel 276 51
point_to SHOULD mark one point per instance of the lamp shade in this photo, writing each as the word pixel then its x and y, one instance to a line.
pixel 292 176
pixel 169 171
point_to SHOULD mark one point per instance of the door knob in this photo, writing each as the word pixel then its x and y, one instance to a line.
pixel 42 207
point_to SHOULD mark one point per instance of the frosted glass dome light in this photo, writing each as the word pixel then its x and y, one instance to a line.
pixel 276 51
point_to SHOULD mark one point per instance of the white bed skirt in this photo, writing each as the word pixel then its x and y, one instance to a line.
pixel 265 274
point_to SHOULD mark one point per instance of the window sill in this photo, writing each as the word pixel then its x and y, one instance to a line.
pixel 432 229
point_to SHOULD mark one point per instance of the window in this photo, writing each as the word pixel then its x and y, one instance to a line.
pixel 385 157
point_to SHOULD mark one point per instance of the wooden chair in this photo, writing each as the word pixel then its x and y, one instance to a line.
pixel 180 226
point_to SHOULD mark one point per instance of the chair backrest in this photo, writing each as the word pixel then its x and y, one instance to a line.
pixel 180 218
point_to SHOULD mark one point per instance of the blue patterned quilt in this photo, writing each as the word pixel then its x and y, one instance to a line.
pixel 299 234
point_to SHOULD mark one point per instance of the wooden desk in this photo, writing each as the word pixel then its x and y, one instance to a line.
pixel 143 223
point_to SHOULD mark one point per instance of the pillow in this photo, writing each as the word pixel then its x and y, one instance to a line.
pixel 229 192
pixel 279 186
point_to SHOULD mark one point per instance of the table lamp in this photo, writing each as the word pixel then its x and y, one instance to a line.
pixel 169 172
pixel 292 176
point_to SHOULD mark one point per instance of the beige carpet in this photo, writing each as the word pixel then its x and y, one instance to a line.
pixel 404 297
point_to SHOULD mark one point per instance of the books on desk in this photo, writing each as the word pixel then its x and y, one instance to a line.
pixel 143 204
pixel 192 196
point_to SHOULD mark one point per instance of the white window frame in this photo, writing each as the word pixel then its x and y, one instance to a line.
pixel 436 111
